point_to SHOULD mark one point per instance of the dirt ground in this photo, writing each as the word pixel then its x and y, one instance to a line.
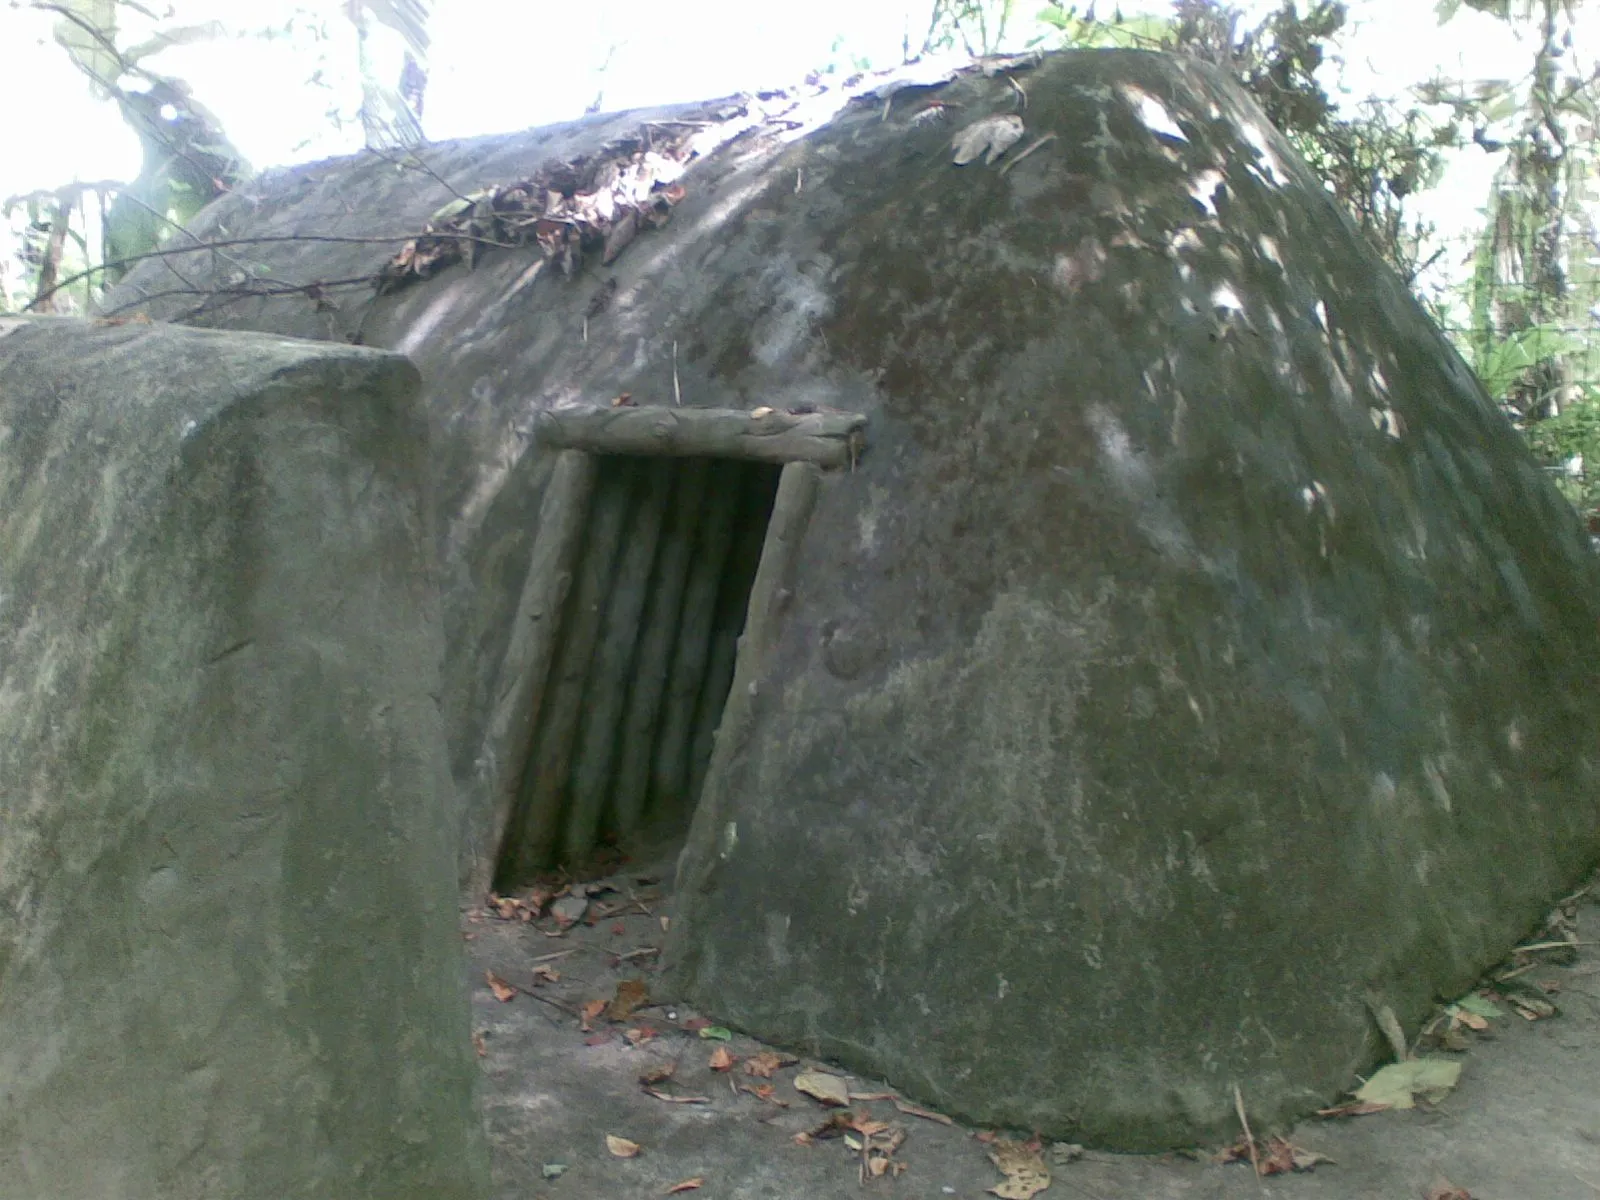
pixel 1522 1124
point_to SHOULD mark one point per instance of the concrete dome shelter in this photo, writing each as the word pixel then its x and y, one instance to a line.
pixel 1100 637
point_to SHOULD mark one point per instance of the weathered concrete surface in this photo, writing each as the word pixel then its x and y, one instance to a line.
pixel 229 964
pixel 1194 657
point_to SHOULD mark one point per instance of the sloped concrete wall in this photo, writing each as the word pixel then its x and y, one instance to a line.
pixel 1194 655
pixel 229 961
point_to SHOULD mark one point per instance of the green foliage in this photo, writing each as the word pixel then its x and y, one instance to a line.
pixel 1090 32
pixel 978 26
pixel 1569 443
pixel 1372 157
pixel 1501 363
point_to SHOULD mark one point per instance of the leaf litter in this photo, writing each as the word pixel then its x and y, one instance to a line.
pixel 1023 1168
pixel 621 1147
pixel 593 205
pixel 823 1088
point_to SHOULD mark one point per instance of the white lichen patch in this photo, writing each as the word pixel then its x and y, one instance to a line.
pixel 1271 166
pixel 1226 299
pixel 1154 114
pixel 1203 190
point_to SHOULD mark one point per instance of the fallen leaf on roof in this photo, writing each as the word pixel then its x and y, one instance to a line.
pixel 766 1062
pixel 687 1185
pixel 479 1044
pixel 721 1060
pixel 1442 1189
pixel 502 990
pixel 927 1114
pixel 546 974
pixel 621 1147
pixel 822 1087
pixel 592 202
pixel 1024 1169
pixel 990 137
pixel 640 1035
pixel 1399 1084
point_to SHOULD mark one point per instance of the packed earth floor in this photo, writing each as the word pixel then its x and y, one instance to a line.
pixel 595 1091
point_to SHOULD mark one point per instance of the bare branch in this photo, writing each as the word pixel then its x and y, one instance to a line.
pixel 172 251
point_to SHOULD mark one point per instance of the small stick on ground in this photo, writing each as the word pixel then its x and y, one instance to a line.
pixel 677 394
pixel 641 952
pixel 1044 141
pixel 555 1004
pixel 1249 1138
pixel 1022 96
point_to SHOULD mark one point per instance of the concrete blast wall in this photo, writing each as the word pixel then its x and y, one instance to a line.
pixel 229 962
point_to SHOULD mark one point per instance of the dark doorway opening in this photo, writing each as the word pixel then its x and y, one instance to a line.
pixel 643 658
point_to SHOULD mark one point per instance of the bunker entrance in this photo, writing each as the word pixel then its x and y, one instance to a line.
pixel 652 552
pixel 643 656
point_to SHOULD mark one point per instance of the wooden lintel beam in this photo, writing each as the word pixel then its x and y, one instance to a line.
pixel 829 439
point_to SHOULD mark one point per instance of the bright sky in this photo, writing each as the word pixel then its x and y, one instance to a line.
pixel 498 65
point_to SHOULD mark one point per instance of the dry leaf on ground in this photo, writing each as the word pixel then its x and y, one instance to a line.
pixel 837 1125
pixel 1399 1084
pixel 687 1185
pixel 478 1044
pixel 768 1061
pixel 631 995
pixel 1274 1156
pixel 825 1088
pixel 590 1011
pixel 1442 1189
pixel 721 1060
pixel 621 1147
pixel 764 1091
pixel 502 990
pixel 1024 1169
